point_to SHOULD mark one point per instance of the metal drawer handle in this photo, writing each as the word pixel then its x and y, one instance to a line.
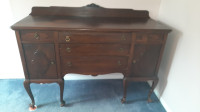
pixel 67 38
pixel 32 60
pixel 36 36
pixel 134 61
pixel 119 63
pixel 121 49
pixel 36 51
pixel 52 62
pixel 69 64
pixel 123 37
pixel 68 49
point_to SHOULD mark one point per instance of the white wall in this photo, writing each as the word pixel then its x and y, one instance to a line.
pixel 21 8
pixel 179 73
pixel 10 63
pixel 179 85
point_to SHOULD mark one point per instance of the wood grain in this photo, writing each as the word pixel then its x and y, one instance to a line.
pixel 89 40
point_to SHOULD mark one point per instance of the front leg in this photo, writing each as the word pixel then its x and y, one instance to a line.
pixel 32 106
pixel 155 82
pixel 125 90
pixel 61 84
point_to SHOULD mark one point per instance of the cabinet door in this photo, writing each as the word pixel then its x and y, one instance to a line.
pixel 145 59
pixel 40 61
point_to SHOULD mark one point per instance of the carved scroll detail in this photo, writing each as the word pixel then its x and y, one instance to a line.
pixel 93 5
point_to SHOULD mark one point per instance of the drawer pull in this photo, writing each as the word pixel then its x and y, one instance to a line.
pixel 68 49
pixel 121 49
pixel 67 38
pixel 134 61
pixel 119 63
pixel 69 64
pixel 123 37
pixel 52 62
pixel 32 60
pixel 36 36
pixel 36 51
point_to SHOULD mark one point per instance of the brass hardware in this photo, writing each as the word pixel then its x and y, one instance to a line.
pixel 123 37
pixel 67 38
pixel 68 49
pixel 36 36
pixel 69 64
pixel 52 62
pixel 119 63
pixel 121 49
pixel 36 51
pixel 134 61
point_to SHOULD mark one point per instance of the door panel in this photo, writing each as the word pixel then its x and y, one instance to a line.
pixel 40 60
pixel 145 59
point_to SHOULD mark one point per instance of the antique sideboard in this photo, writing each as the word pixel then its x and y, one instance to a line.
pixel 89 40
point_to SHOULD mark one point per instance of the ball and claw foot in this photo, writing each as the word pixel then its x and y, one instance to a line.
pixel 62 103
pixel 32 107
pixel 149 100
pixel 123 100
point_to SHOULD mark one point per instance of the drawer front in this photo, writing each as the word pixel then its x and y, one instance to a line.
pixel 94 37
pixel 149 37
pixel 94 49
pixel 37 36
pixel 93 64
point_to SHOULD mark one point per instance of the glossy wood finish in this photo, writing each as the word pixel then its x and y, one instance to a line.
pixel 145 59
pixel 94 37
pixel 93 64
pixel 89 11
pixel 40 61
pixel 90 40
pixel 36 36
pixel 96 49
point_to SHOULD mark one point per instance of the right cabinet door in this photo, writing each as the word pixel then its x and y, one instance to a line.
pixel 145 59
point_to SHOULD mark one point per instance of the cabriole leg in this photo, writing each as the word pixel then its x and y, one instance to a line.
pixel 32 106
pixel 125 90
pixel 155 82
pixel 61 84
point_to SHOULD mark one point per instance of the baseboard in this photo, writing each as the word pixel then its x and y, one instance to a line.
pixel 162 101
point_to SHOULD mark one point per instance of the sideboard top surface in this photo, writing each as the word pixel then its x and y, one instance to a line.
pixel 89 18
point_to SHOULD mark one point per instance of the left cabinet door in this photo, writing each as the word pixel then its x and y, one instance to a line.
pixel 40 61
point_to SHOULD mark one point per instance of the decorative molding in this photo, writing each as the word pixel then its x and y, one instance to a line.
pixel 93 5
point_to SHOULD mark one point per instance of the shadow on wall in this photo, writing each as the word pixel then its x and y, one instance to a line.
pixel 165 66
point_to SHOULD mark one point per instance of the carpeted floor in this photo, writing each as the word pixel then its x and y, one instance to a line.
pixel 79 95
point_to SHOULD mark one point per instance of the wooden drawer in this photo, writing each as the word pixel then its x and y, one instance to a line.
pixel 94 49
pixel 93 64
pixel 149 37
pixel 94 37
pixel 37 36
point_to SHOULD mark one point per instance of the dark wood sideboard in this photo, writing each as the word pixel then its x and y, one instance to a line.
pixel 55 41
